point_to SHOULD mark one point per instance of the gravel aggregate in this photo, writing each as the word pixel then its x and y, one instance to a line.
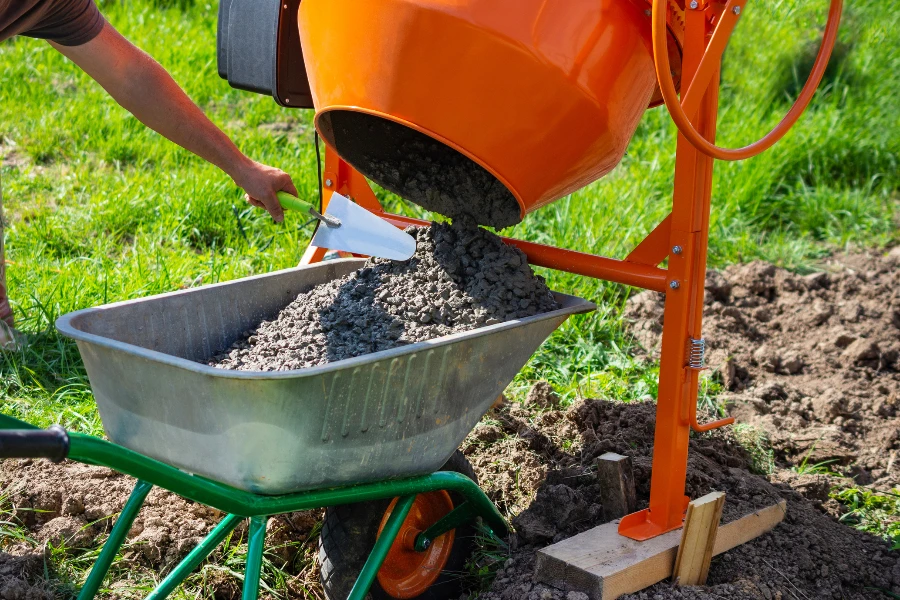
pixel 461 277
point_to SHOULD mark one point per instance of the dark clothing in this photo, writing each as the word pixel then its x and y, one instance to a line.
pixel 66 22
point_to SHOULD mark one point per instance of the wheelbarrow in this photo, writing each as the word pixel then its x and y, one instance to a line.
pixel 372 432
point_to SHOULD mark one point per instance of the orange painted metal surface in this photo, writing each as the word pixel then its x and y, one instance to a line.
pixel 685 228
pixel 655 247
pixel 407 573
pixel 340 177
pixel 545 95
pixel 681 115
pixel 675 33
pixel 682 316
pixel 725 19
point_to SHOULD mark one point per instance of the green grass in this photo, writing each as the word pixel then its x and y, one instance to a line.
pixel 756 442
pixel 101 209
pixel 875 512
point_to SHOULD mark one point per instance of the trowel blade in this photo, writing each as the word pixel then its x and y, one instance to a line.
pixel 362 232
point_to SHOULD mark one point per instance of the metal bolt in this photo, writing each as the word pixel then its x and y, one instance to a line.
pixel 674 284
pixel 736 10
pixel 426 544
pixel 694 4
pixel 287 100
pixel 327 183
pixel 648 12
pixel 677 249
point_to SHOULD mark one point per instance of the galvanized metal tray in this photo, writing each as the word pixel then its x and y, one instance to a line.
pixel 394 413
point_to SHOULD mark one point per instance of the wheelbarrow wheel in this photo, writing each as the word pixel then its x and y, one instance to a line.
pixel 349 533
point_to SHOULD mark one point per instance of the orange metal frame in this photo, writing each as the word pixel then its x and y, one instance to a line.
pixel 681 237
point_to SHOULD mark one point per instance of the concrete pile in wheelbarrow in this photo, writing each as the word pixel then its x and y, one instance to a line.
pixel 461 277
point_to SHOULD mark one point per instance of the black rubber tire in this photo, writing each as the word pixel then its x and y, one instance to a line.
pixel 349 532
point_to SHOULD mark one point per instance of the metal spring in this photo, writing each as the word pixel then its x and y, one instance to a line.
pixel 697 353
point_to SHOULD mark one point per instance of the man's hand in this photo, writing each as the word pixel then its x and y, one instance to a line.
pixel 146 90
pixel 261 182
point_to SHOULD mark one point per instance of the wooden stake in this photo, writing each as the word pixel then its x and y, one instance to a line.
pixel 616 479
pixel 698 537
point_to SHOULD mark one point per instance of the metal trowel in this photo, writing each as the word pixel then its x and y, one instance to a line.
pixel 349 227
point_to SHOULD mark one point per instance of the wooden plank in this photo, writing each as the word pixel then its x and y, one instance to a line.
pixel 701 524
pixel 605 565
pixel 616 479
pixel 748 527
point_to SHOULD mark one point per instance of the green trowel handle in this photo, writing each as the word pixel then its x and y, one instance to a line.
pixel 293 203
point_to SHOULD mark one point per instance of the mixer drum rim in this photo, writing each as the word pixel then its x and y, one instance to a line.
pixel 544 96
pixel 420 166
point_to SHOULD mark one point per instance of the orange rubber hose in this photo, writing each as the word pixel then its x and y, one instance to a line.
pixel 670 95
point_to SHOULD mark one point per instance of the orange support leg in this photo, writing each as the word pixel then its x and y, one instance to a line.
pixel 678 381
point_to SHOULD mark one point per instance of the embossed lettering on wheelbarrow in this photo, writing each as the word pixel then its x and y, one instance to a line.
pixel 394 413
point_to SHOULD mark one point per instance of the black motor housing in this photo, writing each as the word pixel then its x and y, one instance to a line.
pixel 258 50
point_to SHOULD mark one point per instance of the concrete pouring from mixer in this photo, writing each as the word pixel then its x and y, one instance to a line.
pixel 461 277
pixel 422 170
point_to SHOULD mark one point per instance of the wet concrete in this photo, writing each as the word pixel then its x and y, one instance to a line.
pixel 461 277
pixel 420 169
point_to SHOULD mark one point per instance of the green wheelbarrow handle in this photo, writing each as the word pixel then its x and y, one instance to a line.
pixel 52 443
pixel 7 422
pixel 293 203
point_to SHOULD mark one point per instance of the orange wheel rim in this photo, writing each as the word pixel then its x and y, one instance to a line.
pixel 405 572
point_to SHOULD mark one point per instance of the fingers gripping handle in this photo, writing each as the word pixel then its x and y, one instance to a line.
pixel 52 443
pixel 292 202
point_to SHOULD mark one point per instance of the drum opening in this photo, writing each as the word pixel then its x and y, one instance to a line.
pixel 419 168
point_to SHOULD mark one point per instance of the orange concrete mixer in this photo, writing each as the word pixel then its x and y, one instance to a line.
pixel 494 108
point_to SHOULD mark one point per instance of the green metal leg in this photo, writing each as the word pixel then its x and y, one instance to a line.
pixel 116 538
pixel 255 546
pixel 463 513
pixel 196 556
pixel 380 551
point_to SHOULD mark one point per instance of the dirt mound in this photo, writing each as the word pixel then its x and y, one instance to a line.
pixel 531 451
pixel 812 360
pixel 551 453
pixel 460 278
pixel 20 577
pixel 74 505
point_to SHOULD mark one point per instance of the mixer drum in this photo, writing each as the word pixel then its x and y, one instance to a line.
pixel 486 108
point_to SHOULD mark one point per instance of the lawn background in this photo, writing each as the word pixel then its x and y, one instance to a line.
pixel 101 209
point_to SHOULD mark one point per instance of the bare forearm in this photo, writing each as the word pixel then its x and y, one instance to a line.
pixel 141 86
pixel 151 95
pixel 146 90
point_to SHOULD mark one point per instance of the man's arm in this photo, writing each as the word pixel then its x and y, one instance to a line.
pixel 146 90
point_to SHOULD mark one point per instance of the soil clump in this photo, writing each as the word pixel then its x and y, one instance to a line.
pixel 461 277
pixel 20 576
pixel 542 461
pixel 74 506
pixel 811 360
